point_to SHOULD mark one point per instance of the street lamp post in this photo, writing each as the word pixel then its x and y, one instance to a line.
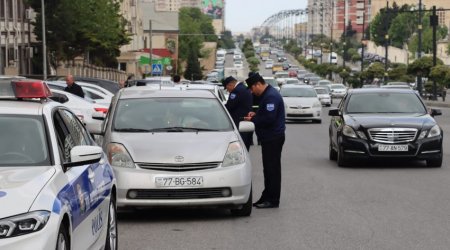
pixel 419 37
pixel 44 42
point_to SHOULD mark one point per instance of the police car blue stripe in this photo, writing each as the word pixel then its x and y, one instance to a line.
pixel 75 196
pixel 2 194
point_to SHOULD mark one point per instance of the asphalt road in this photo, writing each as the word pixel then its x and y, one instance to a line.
pixel 372 205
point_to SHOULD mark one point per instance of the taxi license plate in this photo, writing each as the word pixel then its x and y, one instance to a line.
pixel 181 181
pixel 393 148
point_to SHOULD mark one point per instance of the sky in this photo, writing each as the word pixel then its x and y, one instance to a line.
pixel 243 15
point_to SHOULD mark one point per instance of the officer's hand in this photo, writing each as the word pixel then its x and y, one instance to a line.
pixel 251 114
pixel 247 118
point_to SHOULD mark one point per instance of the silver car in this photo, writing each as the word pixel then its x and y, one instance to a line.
pixel 176 148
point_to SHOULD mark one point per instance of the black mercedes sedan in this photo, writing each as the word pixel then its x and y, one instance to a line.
pixel 385 124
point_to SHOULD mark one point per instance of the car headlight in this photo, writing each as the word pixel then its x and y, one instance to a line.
pixel 23 224
pixel 234 155
pixel 349 132
pixel 434 131
pixel 118 156
pixel 317 105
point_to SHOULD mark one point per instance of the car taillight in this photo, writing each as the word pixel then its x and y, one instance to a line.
pixel 103 110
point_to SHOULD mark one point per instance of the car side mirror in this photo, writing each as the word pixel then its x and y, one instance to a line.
pixel 334 112
pixel 83 155
pixel 59 98
pixel 436 112
pixel 245 126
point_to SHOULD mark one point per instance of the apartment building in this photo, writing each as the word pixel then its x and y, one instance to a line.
pixel 16 38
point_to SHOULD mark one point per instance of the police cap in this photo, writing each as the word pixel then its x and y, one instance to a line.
pixel 253 78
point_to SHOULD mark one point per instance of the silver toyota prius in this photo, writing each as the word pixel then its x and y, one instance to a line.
pixel 176 148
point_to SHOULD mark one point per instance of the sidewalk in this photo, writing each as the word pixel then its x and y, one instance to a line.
pixel 439 104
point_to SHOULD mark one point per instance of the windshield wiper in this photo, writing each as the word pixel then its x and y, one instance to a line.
pixel 180 129
pixel 133 130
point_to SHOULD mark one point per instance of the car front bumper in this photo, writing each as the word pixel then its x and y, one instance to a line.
pixel 236 179
pixel 303 114
pixel 423 149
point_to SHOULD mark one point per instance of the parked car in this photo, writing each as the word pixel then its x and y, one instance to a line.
pixel 377 123
pixel 268 63
pixel 57 187
pixel 196 156
pixel 301 103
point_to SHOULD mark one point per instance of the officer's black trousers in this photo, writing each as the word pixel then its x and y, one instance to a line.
pixel 271 156
pixel 247 137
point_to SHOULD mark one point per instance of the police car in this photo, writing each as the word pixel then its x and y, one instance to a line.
pixel 57 189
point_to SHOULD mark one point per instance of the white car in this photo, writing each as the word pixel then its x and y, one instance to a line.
pixel 91 92
pixel 292 81
pixel 84 109
pixel 237 56
pixel 324 96
pixel 57 188
pixel 238 64
pixel 301 103
pixel 196 156
pixel 269 64
pixel 338 90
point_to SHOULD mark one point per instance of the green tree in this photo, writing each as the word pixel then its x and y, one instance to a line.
pixel 427 36
pixel 382 21
pixel 376 70
pixel 440 74
pixel 94 29
pixel 194 23
pixel 402 27
pixel 422 67
pixel 226 40
pixel 193 70
pixel 398 72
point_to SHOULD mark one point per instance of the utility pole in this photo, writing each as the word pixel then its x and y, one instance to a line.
pixel 331 30
pixel 362 41
pixel 321 32
pixel 151 46
pixel 419 36
pixel 434 22
pixel 44 42
pixel 386 43
pixel 345 39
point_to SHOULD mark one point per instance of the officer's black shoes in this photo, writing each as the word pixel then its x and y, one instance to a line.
pixel 260 201
pixel 266 204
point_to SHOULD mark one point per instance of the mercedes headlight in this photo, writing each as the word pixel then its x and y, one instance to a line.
pixel 23 224
pixel 118 156
pixel 235 155
pixel 349 132
pixel 434 131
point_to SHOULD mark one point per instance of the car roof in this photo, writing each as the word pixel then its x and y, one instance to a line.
pixel 380 90
pixel 21 107
pixel 144 92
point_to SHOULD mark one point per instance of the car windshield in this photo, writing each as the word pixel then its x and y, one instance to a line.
pixel 282 75
pixel 321 91
pixel 324 83
pixel 337 86
pixel 292 82
pixel 171 115
pixel 298 92
pixel 272 82
pixel 23 141
pixel 385 103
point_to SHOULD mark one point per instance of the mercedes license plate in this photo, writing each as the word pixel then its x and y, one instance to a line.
pixel 393 148
pixel 180 181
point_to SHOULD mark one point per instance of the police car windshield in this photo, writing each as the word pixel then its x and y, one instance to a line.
pixel 155 114
pixel 23 141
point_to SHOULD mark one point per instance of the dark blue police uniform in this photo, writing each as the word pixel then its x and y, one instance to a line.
pixel 239 104
pixel 270 128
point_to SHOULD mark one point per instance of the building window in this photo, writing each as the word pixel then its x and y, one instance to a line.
pixel 441 16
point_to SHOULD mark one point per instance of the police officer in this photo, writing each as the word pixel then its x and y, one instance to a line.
pixel 239 104
pixel 270 127
pixel 72 87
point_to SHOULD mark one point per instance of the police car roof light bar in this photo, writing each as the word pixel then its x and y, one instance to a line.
pixel 31 89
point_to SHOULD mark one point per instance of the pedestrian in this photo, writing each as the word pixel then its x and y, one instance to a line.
pixel 270 127
pixel 239 104
pixel 176 79
pixel 444 93
pixel 72 87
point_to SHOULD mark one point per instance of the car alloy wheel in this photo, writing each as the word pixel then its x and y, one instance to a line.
pixel 332 152
pixel 246 209
pixel 341 161
pixel 111 235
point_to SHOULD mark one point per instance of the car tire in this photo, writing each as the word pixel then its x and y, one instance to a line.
pixel 435 163
pixel 111 235
pixel 246 209
pixel 332 153
pixel 63 240
pixel 341 160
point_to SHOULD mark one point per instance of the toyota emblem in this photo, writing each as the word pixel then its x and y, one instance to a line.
pixel 179 158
